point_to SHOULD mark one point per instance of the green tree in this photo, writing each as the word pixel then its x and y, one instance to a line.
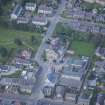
pixel 3 52
pixel 1 11
pixel 33 39
pixel 18 42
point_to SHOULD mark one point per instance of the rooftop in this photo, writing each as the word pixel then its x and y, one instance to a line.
pixel 39 18
pixel 70 83
pixel 72 71
pixel 75 62
pixel 17 9
pixel 45 8
pixel 75 67
pixel 17 82
pixel 49 102
pixel 22 20
pixel 30 4
pixel 53 77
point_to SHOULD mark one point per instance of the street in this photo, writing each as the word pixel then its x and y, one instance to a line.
pixel 37 94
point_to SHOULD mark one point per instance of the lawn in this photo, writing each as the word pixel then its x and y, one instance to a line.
pixel 66 31
pixel 80 43
pixel 62 28
pixel 17 74
pixel 7 37
pixel 82 48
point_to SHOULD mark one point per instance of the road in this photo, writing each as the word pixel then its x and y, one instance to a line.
pixel 53 21
pixel 52 102
pixel 41 79
pixel 49 33
pixel 37 93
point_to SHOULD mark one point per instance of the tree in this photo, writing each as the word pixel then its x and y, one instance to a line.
pixel 1 11
pixel 33 39
pixel 90 36
pixel 18 42
pixel 3 52
pixel 98 39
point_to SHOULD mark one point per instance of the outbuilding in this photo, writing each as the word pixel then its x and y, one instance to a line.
pixel 30 6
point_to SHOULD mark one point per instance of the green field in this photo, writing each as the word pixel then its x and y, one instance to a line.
pixel 7 37
pixel 82 48
pixel 80 40
pixel 17 74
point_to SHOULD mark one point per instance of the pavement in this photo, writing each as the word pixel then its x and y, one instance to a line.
pixel 37 94
pixel 37 90
pixel 51 102
pixel 53 21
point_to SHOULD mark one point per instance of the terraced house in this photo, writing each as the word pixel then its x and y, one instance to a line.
pixel 102 2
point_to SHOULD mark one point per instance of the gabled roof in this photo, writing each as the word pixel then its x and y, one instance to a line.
pixel 69 83
pixel 30 4
pixel 17 9
pixel 44 8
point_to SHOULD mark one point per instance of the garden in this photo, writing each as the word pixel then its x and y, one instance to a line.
pixel 11 40
pixel 81 42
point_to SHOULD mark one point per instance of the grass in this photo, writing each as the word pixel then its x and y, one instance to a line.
pixel 17 74
pixel 82 48
pixel 62 28
pixel 80 43
pixel 91 6
pixel 7 37
pixel 70 33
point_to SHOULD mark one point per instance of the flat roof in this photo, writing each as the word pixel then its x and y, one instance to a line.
pixel 69 82
pixel 73 61
pixel 71 71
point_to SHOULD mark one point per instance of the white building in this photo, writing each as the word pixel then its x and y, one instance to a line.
pixel 90 1
pixel 102 2
pixel 16 12
pixel 22 20
pixel 43 9
pixel 39 20
pixel 30 6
